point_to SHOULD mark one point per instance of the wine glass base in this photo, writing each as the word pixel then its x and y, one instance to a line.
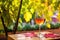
pixel 41 35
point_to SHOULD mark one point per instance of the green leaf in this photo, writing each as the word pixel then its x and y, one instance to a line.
pixel 19 27
pixel 43 27
pixel 27 27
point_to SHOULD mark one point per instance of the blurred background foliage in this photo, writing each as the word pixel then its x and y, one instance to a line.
pixel 47 8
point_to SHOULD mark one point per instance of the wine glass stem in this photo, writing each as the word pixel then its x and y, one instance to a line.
pixel 39 31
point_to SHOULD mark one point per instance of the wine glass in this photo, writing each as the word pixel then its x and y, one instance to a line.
pixel 39 21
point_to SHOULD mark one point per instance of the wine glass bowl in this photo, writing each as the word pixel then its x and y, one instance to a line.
pixel 39 21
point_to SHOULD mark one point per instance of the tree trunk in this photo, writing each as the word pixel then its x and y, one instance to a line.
pixel 16 24
pixel 5 28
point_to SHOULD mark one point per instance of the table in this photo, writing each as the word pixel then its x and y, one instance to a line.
pixel 13 37
pixel 34 38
